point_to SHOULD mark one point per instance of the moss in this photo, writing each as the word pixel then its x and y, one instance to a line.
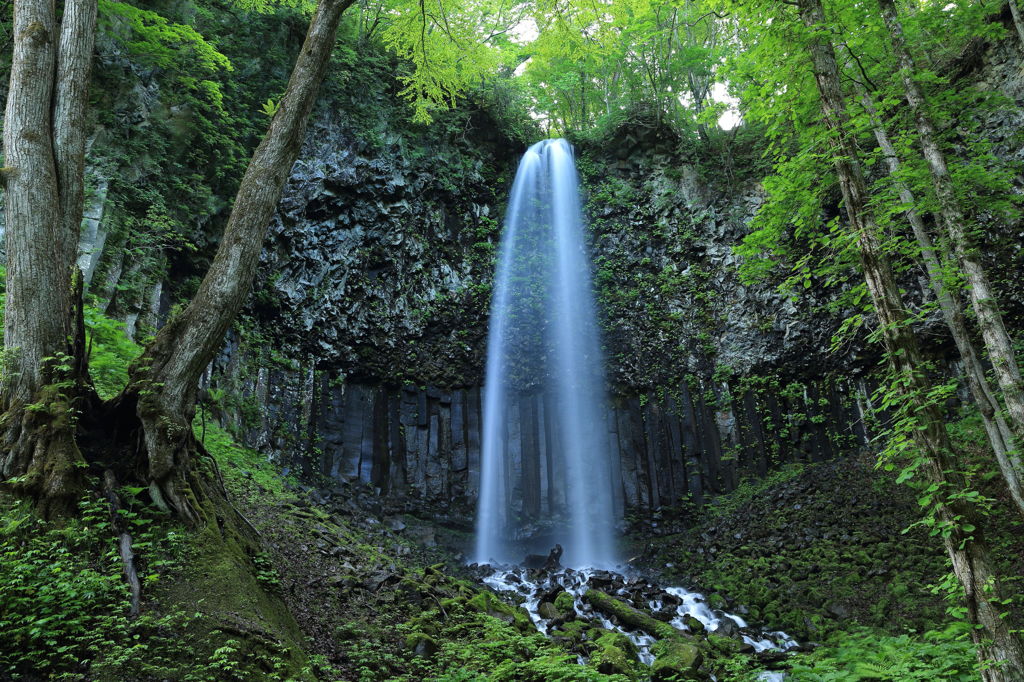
pixel 675 659
pixel 421 644
pixel 781 551
pixel 490 604
pixel 726 646
pixel 222 587
pixel 611 606
pixel 573 633
pixel 564 602
pixel 548 610
pixel 611 660
pixel 615 654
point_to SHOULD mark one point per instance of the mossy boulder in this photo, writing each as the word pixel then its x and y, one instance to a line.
pixel 565 602
pixel 695 626
pixel 421 644
pixel 572 633
pixel 548 610
pixel 726 646
pixel 676 659
pixel 489 603
pixel 611 660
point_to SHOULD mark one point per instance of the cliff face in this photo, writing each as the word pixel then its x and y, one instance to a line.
pixel 380 267
pixel 361 353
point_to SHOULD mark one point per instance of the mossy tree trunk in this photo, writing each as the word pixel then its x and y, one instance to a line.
pixel 44 146
pixel 995 640
pixel 45 383
pixel 164 381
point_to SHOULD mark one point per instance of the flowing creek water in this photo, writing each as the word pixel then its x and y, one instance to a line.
pixel 673 605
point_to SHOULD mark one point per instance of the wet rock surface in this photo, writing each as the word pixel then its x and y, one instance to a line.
pixel 594 611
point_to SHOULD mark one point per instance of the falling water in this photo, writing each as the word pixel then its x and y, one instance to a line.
pixel 543 337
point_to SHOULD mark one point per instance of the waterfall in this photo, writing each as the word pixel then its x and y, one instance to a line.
pixel 543 338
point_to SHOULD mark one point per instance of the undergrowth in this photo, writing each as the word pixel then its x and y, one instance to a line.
pixel 945 655
pixel 64 605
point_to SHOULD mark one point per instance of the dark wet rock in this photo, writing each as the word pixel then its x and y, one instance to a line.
pixel 727 628
pixel 534 561
pixel 423 536
pixel 664 615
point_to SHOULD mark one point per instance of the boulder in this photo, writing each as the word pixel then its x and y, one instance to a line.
pixel 676 659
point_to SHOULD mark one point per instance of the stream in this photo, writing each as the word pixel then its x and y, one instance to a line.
pixel 673 605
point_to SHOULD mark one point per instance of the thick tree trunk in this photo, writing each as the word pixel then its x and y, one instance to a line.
pixel 967 550
pixel 44 147
pixel 951 217
pixel 164 381
pixel 1000 436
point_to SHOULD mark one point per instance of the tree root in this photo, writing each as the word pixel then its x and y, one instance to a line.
pixel 124 541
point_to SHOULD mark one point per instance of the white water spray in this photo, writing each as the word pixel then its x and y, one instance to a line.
pixel 543 336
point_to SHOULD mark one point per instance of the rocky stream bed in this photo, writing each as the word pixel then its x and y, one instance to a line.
pixel 613 616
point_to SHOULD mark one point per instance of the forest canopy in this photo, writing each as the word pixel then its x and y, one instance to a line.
pixel 281 219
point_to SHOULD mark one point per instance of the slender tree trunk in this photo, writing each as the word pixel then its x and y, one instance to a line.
pixel 164 381
pixel 951 217
pixel 967 550
pixel 44 147
pixel 1018 23
pixel 999 434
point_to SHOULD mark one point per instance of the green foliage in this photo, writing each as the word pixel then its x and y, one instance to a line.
pixel 946 655
pixel 110 352
pixel 241 465
pixel 444 48
pixel 64 603
pixel 593 63
pixel 159 42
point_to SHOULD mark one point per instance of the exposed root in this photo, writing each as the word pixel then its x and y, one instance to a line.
pixel 124 541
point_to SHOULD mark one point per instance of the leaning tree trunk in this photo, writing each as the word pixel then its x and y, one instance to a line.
pixel 962 535
pixel 983 298
pixel 164 380
pixel 44 147
pixel 1018 22
pixel 999 434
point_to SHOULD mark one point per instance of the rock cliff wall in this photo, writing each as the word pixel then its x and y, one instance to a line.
pixel 380 267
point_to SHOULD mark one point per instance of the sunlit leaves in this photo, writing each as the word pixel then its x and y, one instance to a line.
pixel 159 42
pixel 449 45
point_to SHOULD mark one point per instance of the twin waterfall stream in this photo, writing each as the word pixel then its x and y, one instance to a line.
pixel 544 337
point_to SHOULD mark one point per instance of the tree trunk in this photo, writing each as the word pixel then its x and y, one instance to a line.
pixel 962 537
pixel 44 147
pixel 983 298
pixel 164 380
pixel 999 433
pixel 1018 23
